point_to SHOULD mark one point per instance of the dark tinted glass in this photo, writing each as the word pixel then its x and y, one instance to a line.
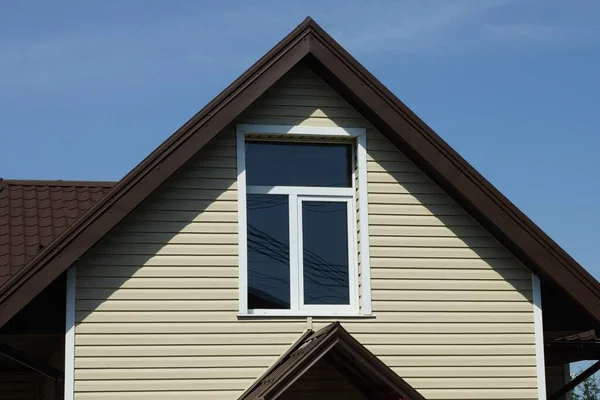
pixel 298 164
pixel 268 252
pixel 325 252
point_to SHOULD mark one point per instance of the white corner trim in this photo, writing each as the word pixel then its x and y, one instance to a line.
pixel 70 335
pixel 242 231
pixel 363 216
pixel 539 336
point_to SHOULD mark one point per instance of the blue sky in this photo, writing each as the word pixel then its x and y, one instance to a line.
pixel 88 89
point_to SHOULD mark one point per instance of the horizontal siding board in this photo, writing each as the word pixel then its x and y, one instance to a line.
pixel 158 294
pixel 157 283
pixel 274 350
pixel 194 205
pixel 455 295
pixel 198 249
pixel 157 305
pixel 196 194
pixel 404 272
pixel 161 385
pixel 153 339
pixel 502 362
pixel 166 238
pixel 141 260
pixel 96 364
pixel 439 210
pixel 439 252
pixel 179 228
pixel 186 327
pixel 208 317
pixel 223 271
pixel 432 241
pixel 497 264
pixel 462 232
pixel 435 284
pixel 167 373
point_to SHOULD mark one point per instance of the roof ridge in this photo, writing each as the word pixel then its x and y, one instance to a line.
pixel 54 182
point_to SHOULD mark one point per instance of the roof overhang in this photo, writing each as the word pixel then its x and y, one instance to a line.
pixel 338 348
pixel 311 44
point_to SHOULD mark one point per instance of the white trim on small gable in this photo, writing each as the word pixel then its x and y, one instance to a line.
pixel 349 194
pixel 539 336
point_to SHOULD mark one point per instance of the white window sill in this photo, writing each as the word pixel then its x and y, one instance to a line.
pixel 287 314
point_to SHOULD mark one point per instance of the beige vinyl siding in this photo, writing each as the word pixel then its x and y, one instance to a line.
pixel 157 301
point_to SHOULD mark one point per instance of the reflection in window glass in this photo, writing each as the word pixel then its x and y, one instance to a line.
pixel 325 252
pixel 268 252
pixel 298 164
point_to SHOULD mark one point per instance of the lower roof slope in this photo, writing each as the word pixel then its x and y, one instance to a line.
pixel 33 213
pixel 336 346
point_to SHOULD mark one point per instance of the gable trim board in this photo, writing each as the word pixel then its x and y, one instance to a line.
pixel 310 43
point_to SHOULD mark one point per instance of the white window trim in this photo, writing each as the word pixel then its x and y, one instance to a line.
pixel 69 391
pixel 353 267
pixel 539 336
pixel 361 155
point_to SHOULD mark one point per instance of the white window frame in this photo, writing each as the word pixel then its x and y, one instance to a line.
pixel 352 264
pixel 298 194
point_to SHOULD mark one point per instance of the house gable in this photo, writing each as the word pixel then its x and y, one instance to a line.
pixel 156 285
pixel 392 118
pixel 157 299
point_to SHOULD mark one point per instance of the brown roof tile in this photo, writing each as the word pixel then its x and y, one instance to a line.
pixel 32 213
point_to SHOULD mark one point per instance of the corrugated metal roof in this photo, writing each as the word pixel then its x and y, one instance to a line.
pixel 33 213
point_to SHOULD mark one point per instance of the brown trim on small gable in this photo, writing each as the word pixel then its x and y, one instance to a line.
pixel 310 43
pixel 344 353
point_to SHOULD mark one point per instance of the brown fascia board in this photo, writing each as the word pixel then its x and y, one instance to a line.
pixel 385 111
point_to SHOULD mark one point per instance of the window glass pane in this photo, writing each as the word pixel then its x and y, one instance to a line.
pixel 268 252
pixel 325 252
pixel 298 164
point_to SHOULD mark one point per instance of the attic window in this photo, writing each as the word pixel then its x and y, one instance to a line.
pixel 298 230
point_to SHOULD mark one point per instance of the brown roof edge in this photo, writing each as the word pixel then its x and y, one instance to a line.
pixel 385 111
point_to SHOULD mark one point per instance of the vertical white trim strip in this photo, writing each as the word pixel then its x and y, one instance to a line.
pixel 70 335
pixel 363 215
pixel 539 336
pixel 296 279
pixel 242 222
